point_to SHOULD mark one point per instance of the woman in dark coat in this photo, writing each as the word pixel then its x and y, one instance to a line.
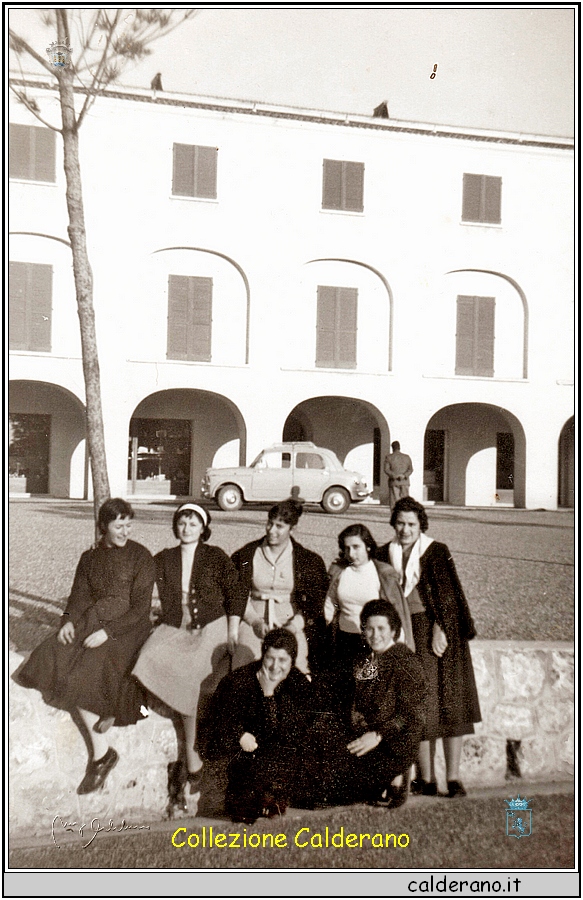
pixel 364 753
pixel 286 585
pixel 190 650
pixel 442 627
pixel 86 666
pixel 259 717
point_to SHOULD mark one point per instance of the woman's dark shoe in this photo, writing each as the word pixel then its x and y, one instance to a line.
pixel 424 788
pixel 194 779
pixel 97 772
pixel 392 797
pixel 104 724
pixel 177 776
pixel 455 789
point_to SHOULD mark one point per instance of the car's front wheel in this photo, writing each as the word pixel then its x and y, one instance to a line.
pixel 335 500
pixel 230 497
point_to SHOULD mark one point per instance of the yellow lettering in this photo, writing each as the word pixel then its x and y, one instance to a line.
pixel 257 840
pixel 351 840
pixel 363 836
pixel 388 840
pixel 197 836
pixel 234 840
pixel 174 844
pixel 296 842
pixel 379 842
pixel 339 834
pixel 406 844
pixel 221 840
pixel 316 841
pixel 266 837
pixel 281 840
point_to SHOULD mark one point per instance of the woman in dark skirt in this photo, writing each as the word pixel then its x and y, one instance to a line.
pixel 87 665
pixel 442 627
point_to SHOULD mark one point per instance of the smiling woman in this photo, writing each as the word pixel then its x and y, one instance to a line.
pixel 86 667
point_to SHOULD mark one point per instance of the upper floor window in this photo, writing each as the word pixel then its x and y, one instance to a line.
pixel 194 171
pixel 32 153
pixel 30 306
pixel 343 185
pixel 475 336
pixel 189 318
pixel 336 327
pixel 482 199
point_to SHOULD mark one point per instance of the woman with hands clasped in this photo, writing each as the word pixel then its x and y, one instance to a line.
pixel 442 627
pixel 259 717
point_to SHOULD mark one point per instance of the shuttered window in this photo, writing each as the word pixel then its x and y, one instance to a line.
pixel 194 171
pixel 482 199
pixel 343 185
pixel 475 336
pixel 336 327
pixel 30 306
pixel 32 153
pixel 189 318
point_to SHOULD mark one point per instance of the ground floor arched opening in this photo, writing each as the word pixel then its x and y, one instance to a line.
pixel 474 455
pixel 175 435
pixel 355 430
pixel 567 465
pixel 46 454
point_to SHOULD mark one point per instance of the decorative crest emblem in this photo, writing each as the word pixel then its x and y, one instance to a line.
pixel 518 817
pixel 59 54
pixel 367 671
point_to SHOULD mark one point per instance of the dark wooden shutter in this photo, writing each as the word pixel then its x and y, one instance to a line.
pixel 205 175
pixel 484 353
pixel 189 318
pixel 32 153
pixel 183 170
pixel 353 186
pixel 332 184
pixel 326 326
pixel 19 155
pixel 336 327
pixel 177 342
pixel 475 336
pixel 30 306
pixel 472 198
pixel 492 199
pixel 17 306
pixel 346 317
pixel 200 301
pixel 44 154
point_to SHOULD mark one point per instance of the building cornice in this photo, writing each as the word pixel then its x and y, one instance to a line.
pixel 350 120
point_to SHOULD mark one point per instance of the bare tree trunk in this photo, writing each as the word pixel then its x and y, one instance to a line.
pixel 83 279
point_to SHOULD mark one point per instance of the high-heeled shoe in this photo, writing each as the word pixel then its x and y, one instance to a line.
pixel 194 780
pixel 177 777
pixel 424 788
pixel 455 789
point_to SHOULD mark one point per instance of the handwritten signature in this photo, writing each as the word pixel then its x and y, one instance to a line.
pixel 94 828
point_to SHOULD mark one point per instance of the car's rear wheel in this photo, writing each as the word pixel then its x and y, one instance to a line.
pixel 230 497
pixel 335 500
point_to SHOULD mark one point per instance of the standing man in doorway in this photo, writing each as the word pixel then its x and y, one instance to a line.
pixel 398 467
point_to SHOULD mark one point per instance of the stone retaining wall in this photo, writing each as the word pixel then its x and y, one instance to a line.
pixel 526 693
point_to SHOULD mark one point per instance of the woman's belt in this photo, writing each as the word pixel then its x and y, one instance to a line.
pixel 270 600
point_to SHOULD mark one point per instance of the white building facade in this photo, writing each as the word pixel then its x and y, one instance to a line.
pixel 265 273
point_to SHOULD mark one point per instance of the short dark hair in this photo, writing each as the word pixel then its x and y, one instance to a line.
pixel 408 504
pixel 188 514
pixel 288 510
pixel 395 445
pixel 381 608
pixel 281 639
pixel 110 510
pixel 361 531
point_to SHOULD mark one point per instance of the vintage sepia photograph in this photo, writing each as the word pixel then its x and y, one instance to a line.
pixel 292 342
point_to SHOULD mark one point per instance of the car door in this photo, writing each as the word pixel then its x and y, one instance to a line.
pixel 310 475
pixel 272 476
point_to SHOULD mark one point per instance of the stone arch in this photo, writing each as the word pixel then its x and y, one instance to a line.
pixel 478 456
pixel 353 428
pixel 176 434
pixel 47 440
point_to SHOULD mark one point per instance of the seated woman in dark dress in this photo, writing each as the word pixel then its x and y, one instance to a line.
pixel 364 754
pixel 86 667
pixel 259 718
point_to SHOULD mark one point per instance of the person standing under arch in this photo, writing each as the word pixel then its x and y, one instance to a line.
pixel 398 466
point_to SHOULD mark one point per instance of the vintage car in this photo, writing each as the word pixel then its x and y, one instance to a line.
pixel 312 474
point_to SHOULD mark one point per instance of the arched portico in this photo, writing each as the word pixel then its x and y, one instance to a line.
pixel 47 440
pixel 475 455
pixel 354 429
pixel 175 435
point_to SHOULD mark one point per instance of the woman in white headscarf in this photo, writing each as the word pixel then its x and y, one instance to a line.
pixel 442 626
pixel 202 603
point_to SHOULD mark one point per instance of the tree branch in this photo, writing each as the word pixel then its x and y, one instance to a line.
pixel 26 102
pixel 19 44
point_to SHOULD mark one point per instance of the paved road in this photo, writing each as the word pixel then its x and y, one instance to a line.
pixel 516 565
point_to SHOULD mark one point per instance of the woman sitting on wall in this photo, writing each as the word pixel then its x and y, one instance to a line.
pixel 86 667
